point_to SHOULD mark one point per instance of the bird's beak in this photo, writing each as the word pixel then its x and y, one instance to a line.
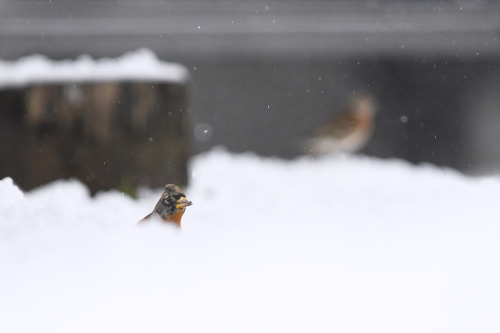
pixel 183 203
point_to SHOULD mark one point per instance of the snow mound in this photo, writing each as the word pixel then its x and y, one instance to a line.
pixel 142 65
pixel 348 244
pixel 10 194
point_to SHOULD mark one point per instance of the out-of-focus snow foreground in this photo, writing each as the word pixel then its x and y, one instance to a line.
pixel 345 244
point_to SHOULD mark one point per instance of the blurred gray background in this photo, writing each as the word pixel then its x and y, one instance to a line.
pixel 265 74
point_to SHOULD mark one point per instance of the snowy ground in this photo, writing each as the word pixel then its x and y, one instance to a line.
pixel 339 244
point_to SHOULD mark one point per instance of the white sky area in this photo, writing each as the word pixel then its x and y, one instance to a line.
pixel 336 244
pixel 139 65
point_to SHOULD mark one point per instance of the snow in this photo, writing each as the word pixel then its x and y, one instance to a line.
pixel 336 244
pixel 141 65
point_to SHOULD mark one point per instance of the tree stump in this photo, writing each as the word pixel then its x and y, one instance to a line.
pixel 116 134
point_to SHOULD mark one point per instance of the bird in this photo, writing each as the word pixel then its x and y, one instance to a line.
pixel 171 206
pixel 348 130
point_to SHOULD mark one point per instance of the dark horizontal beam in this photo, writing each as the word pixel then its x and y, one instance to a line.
pixel 235 28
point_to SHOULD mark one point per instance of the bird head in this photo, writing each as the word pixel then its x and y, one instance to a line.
pixel 172 203
pixel 363 105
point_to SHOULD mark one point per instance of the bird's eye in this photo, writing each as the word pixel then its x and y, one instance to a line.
pixel 165 201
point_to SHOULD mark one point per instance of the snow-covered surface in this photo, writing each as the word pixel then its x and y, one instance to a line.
pixel 338 244
pixel 135 66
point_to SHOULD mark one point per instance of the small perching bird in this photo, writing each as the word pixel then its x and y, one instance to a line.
pixel 348 131
pixel 170 207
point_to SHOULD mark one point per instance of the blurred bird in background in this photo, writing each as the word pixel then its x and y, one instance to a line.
pixel 348 131
pixel 170 207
